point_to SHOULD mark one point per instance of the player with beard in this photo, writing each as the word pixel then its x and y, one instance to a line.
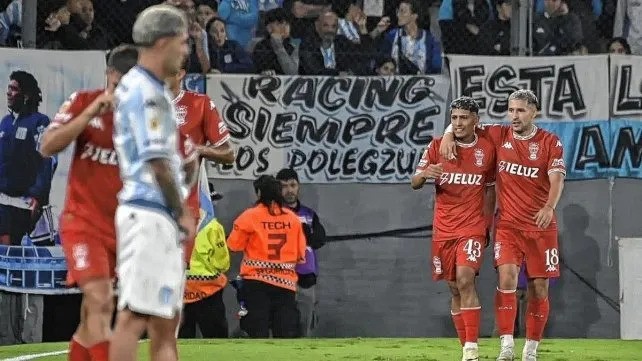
pixel 530 179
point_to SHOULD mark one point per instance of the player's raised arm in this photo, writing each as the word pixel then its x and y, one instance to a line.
pixel 71 120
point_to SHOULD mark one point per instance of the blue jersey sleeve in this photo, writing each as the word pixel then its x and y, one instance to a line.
pixel 153 126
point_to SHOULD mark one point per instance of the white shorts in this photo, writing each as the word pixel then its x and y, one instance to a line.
pixel 149 262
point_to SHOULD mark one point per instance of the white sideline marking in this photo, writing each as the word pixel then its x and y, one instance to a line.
pixel 36 356
pixel 41 355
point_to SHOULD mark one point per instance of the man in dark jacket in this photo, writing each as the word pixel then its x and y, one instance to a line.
pixel 25 177
pixel 315 237
pixel 557 31
pixel 276 54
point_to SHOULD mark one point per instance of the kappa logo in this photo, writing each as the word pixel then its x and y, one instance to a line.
pixel 97 123
pixel 508 145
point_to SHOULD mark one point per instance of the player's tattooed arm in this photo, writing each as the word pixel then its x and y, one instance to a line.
pixel 191 169
pixel 165 179
pixel 545 215
pixel 171 193
pixel 223 153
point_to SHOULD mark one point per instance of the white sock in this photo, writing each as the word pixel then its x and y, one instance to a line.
pixel 507 341
pixel 470 345
pixel 531 345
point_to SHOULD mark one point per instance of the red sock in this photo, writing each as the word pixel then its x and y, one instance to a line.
pixel 77 352
pixel 459 326
pixel 536 317
pixel 471 317
pixel 100 351
pixel 505 311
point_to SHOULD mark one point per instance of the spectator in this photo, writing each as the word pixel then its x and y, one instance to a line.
pixel 494 35
pixel 353 22
pixel 305 13
pixel 460 20
pixel 11 24
pixel 58 15
pixel 205 11
pixel 83 33
pixel 276 54
pixel 315 238
pixel 628 24
pixel 415 50
pixel 557 31
pixel 589 13
pixel 198 42
pixel 327 53
pixel 385 66
pixel 227 56
pixel 619 46
pixel 241 18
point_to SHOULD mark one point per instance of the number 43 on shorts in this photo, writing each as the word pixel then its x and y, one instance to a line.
pixel 473 249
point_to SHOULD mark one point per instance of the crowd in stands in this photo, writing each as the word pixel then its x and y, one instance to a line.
pixel 338 37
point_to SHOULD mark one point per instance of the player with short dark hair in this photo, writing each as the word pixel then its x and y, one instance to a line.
pixel 464 205
pixel 87 219
pixel 530 179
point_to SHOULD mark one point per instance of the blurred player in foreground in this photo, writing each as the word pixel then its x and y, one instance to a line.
pixel 465 200
pixel 199 120
pixel 272 241
pixel 151 219
pixel 530 179
pixel 87 220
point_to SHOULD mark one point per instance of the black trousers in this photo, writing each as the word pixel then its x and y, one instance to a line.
pixel 15 223
pixel 269 307
pixel 208 314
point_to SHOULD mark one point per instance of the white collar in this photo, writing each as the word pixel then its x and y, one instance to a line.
pixel 468 145
pixel 527 136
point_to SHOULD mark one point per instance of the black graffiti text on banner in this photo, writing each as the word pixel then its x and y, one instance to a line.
pixel 345 129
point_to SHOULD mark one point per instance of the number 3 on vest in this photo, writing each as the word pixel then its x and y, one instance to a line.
pixel 276 241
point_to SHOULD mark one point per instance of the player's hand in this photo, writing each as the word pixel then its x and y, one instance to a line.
pixel 433 171
pixel 448 147
pixel 102 104
pixel 544 217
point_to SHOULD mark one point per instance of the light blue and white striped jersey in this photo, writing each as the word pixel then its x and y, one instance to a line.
pixel 144 129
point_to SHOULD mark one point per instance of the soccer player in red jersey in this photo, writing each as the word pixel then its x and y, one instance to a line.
pixel 465 200
pixel 87 220
pixel 530 179
pixel 199 120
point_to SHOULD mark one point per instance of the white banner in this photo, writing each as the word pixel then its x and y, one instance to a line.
pixel 569 87
pixel 59 73
pixel 329 129
pixel 626 87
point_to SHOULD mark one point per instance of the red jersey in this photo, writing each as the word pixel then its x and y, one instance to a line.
pixel 199 120
pixel 459 206
pixel 523 166
pixel 94 178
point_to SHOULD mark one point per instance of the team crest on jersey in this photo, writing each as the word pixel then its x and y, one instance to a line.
pixel 479 157
pixel 533 149
pixel 436 262
pixel 181 114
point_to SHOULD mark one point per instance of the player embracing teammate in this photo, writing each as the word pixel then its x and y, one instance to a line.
pixel 530 175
